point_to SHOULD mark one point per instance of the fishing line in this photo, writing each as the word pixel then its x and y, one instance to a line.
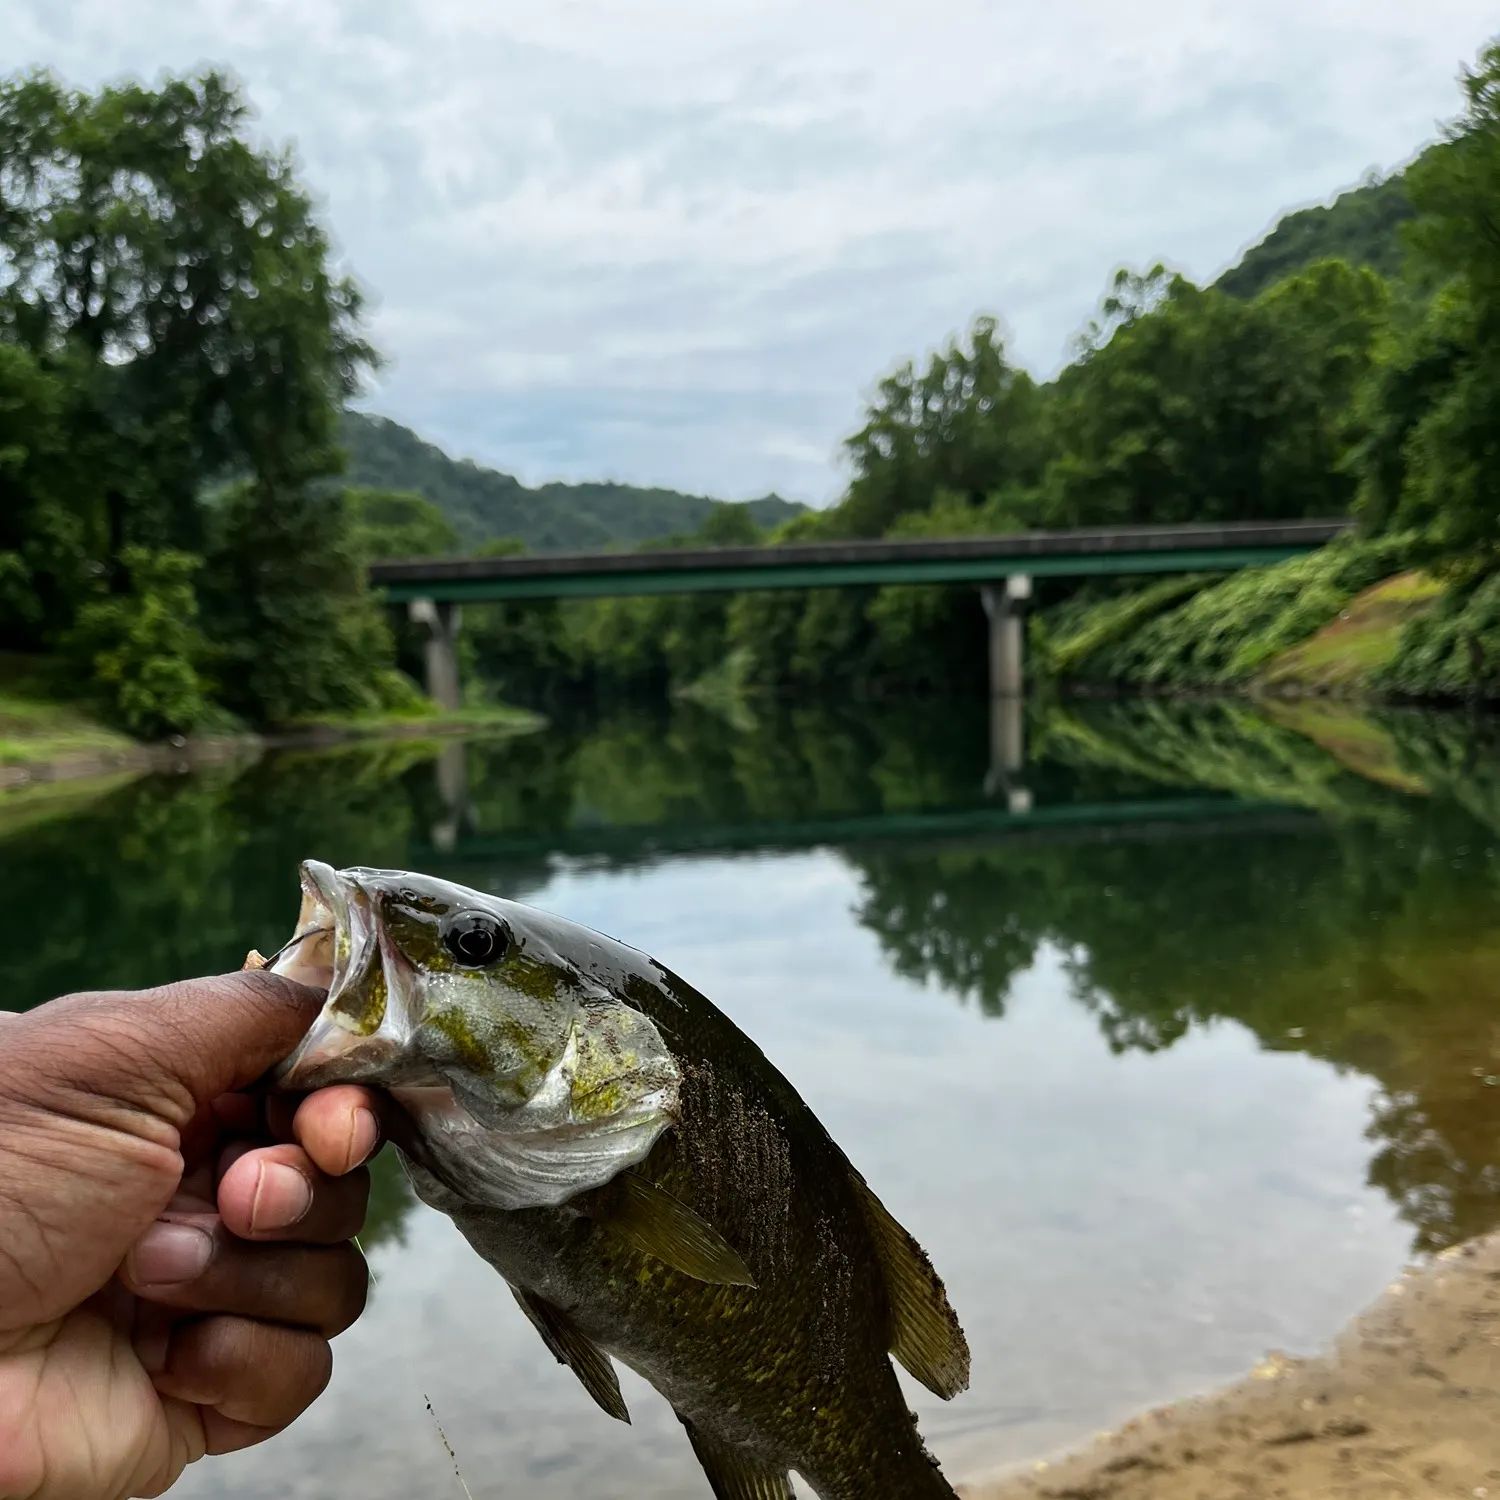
pixel 458 1473
pixel 301 937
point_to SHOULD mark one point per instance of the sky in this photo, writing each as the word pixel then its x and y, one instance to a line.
pixel 678 243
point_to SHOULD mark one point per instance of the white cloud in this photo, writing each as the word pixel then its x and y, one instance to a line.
pixel 675 243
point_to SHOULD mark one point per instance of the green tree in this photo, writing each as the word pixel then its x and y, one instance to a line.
pixel 1362 226
pixel 1431 458
pixel 397 523
pixel 143 646
pixel 1191 405
pixel 174 295
pixel 967 424
pixel 296 631
pixel 43 552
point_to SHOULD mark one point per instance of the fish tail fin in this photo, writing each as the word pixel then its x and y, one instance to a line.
pixel 735 1473
pixel 925 1337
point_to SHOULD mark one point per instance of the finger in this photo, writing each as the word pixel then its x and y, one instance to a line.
pixel 256 1374
pixel 223 1434
pixel 339 1127
pixel 162 1053
pixel 197 1266
pixel 276 1192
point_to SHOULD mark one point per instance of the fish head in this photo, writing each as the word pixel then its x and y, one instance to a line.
pixel 487 1021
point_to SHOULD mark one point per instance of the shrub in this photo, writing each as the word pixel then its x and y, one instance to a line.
pixel 142 648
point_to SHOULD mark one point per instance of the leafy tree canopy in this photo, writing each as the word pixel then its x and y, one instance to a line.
pixel 170 323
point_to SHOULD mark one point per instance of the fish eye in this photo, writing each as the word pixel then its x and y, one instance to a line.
pixel 475 938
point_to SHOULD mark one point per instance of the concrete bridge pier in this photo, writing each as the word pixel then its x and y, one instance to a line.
pixel 1003 604
pixel 442 621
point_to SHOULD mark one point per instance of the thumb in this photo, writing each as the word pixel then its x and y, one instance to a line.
pixel 161 1052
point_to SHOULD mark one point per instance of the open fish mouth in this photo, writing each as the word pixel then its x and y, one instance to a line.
pixel 362 1032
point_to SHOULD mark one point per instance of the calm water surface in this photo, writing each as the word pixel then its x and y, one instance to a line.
pixel 1171 1044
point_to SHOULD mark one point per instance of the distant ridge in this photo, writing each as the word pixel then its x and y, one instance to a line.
pixel 1362 226
pixel 483 505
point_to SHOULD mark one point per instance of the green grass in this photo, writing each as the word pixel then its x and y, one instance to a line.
pixel 1344 655
pixel 38 724
pixel 41 723
pixel 1112 619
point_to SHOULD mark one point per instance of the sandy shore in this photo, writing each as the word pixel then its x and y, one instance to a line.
pixel 1406 1407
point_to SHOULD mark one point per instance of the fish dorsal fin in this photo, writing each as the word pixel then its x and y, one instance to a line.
pixel 580 1354
pixel 925 1336
pixel 735 1473
pixel 651 1220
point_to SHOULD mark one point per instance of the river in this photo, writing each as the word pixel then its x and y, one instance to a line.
pixel 1172 1039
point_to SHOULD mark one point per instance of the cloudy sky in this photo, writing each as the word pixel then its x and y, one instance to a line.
pixel 676 241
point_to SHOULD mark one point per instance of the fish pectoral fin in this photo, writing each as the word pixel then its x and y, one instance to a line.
pixel 651 1220
pixel 734 1473
pixel 579 1353
pixel 925 1334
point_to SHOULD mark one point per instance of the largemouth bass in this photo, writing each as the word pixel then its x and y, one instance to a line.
pixel 648 1185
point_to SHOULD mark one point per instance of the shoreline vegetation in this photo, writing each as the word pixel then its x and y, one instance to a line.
pixel 45 742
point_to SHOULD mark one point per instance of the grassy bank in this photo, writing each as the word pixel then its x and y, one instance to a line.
pixel 48 736
pixel 39 725
pixel 1354 620
pixel 36 732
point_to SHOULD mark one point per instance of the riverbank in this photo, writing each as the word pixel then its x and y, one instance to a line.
pixel 42 743
pixel 1373 619
pixel 1405 1407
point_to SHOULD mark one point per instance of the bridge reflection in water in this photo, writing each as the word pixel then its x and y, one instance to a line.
pixel 1003 808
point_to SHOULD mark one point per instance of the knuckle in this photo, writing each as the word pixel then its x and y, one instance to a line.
pixel 259 1373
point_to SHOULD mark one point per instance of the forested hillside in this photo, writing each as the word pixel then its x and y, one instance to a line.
pixel 483 505
pixel 1362 227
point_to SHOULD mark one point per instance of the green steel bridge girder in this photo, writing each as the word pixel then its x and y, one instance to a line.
pixel 803 575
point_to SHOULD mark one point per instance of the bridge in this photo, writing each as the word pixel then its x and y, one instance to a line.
pixel 1003 567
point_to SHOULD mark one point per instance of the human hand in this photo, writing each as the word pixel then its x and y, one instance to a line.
pixel 174 1256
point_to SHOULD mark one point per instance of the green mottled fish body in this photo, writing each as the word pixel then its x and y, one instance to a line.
pixel 713 1237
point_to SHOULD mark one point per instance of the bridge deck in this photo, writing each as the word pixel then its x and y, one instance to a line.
pixel 1124 549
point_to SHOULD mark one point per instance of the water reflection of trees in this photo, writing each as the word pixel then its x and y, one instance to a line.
pixel 1361 935
pixel 1368 938
pixel 171 876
